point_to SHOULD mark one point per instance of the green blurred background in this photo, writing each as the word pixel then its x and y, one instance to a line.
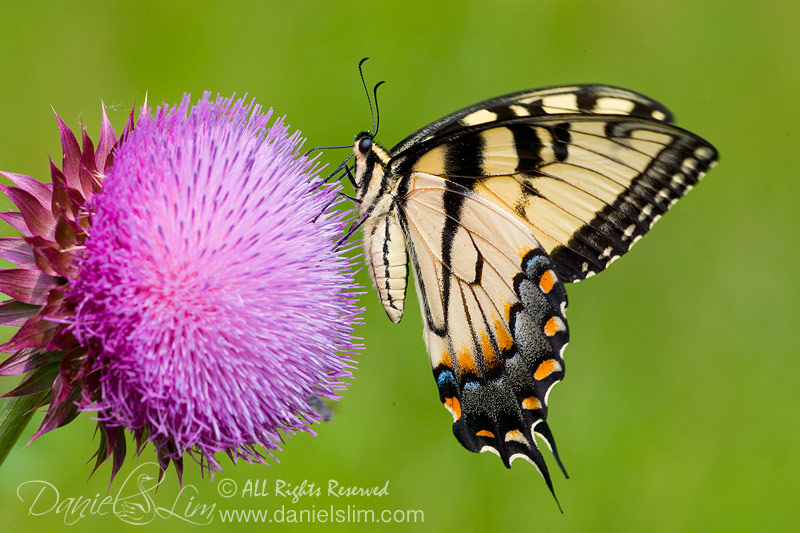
pixel 680 407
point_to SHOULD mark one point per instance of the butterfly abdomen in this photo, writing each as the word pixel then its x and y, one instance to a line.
pixel 387 261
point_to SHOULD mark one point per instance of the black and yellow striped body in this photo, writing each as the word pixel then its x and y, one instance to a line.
pixel 499 204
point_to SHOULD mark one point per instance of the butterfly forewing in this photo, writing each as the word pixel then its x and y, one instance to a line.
pixel 500 203
pixel 588 187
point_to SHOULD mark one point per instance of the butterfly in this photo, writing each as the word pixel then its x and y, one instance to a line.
pixel 495 207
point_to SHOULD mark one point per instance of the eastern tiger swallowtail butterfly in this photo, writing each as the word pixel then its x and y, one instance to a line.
pixel 495 207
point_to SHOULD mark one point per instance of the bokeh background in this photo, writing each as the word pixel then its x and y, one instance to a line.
pixel 680 407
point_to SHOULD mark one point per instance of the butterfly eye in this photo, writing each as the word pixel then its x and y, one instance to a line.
pixel 364 145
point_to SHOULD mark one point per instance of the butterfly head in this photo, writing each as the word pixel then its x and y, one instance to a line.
pixel 363 144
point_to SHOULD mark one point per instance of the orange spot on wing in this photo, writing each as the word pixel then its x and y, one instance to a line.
pixel 546 368
pixel 454 406
pixel 485 433
pixel 446 361
pixel 466 362
pixel 532 402
pixel 523 252
pixel 489 355
pixel 551 328
pixel 504 340
pixel 546 281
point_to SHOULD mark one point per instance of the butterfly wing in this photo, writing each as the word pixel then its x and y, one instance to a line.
pixel 587 186
pixel 494 310
pixel 500 203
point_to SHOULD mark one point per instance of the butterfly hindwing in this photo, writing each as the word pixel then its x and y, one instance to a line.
pixel 495 324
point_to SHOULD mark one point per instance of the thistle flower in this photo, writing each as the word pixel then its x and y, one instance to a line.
pixel 181 282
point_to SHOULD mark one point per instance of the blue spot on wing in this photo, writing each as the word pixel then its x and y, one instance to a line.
pixel 446 377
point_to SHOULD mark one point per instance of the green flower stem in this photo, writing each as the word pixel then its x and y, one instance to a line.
pixel 15 414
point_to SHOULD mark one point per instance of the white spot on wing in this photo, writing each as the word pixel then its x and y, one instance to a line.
pixel 646 210
pixel 520 456
pixel 702 152
pixel 481 116
pixel 490 449
pixel 613 106
pixel 658 115
pixel 561 351
pixel 517 436
pixel 562 103
pixel 520 111
pixel 546 442
pixel 547 394
pixel 629 231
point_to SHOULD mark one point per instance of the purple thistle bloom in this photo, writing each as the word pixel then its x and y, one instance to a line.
pixel 209 305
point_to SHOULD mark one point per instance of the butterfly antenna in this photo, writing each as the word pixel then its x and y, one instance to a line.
pixel 377 109
pixel 366 91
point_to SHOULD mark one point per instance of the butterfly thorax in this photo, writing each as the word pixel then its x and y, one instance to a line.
pixel 370 175
pixel 384 240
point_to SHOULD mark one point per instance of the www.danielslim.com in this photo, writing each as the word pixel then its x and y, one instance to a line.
pixel 349 514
